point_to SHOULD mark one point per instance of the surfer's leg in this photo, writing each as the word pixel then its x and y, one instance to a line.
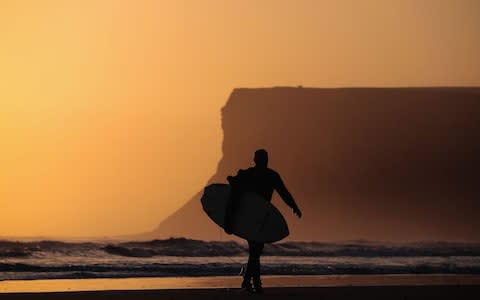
pixel 257 283
pixel 251 261
pixel 247 277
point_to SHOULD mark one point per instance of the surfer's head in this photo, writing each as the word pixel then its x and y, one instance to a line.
pixel 261 158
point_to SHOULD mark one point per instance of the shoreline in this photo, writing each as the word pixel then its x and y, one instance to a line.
pixel 40 286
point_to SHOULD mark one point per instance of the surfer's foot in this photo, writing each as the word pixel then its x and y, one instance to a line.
pixel 246 285
pixel 258 287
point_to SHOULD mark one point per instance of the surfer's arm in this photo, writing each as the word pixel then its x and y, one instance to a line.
pixel 238 180
pixel 285 195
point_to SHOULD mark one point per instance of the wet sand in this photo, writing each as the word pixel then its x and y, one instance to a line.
pixel 276 287
pixel 339 293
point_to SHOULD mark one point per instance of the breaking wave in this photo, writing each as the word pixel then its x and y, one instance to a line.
pixel 186 257
pixel 195 248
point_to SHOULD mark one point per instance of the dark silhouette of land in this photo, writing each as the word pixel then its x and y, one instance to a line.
pixel 366 163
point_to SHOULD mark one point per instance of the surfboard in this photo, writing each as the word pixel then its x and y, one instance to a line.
pixel 253 218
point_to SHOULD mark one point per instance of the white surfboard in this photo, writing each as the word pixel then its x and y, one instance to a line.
pixel 253 218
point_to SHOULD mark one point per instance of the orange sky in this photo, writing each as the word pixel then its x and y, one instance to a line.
pixel 110 110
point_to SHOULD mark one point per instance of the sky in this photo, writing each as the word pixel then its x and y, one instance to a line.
pixel 110 110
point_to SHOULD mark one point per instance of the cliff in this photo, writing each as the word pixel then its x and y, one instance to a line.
pixel 362 163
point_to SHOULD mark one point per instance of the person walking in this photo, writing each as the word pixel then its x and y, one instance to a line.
pixel 263 181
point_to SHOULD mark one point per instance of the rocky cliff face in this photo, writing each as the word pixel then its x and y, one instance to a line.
pixel 362 163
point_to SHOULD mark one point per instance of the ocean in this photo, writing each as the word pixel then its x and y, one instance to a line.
pixel 180 257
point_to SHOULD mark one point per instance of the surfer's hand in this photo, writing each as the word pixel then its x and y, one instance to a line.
pixel 297 211
pixel 228 230
pixel 227 227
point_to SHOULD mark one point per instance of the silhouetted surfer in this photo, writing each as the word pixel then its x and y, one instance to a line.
pixel 263 181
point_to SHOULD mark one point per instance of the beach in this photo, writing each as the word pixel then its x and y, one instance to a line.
pixel 226 287
pixel 339 293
